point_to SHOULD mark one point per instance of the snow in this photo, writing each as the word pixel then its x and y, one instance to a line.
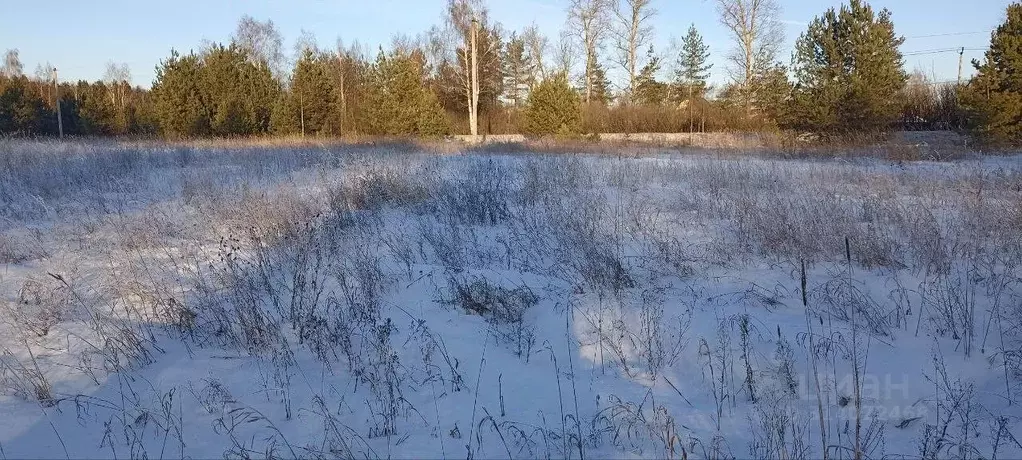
pixel 385 302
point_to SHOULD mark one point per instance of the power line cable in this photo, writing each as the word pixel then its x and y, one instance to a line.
pixel 949 34
pixel 940 50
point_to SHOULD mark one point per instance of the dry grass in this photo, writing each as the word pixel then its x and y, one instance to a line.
pixel 231 243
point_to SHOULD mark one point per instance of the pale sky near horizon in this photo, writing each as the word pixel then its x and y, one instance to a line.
pixel 81 37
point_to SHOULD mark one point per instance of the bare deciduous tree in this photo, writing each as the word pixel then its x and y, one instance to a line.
pixel 306 42
pixel 118 76
pixel 44 72
pixel 436 46
pixel 262 42
pixel 632 33
pixel 536 45
pixel 757 32
pixel 476 47
pixel 565 54
pixel 588 21
pixel 403 44
pixel 12 64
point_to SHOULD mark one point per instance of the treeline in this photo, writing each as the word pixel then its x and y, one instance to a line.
pixel 846 76
pixel 103 108
pixel 227 91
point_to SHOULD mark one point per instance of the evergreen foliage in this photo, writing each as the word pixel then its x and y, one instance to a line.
pixel 309 107
pixel 693 68
pixel 553 108
pixel 848 74
pixel 399 101
pixel 178 98
pixel 648 90
pixel 601 91
pixel 22 111
pixel 849 71
pixel 994 95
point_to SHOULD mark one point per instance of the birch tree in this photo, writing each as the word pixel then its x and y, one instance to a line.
pixel 12 64
pixel 118 76
pixel 536 45
pixel 757 32
pixel 632 32
pixel 565 54
pixel 588 22
pixel 477 53
pixel 262 42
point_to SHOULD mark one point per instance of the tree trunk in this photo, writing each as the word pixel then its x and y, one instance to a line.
pixel 344 102
pixel 473 110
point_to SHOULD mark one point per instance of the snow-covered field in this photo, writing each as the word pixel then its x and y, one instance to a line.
pixel 391 302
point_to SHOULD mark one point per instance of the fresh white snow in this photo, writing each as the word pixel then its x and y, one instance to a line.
pixel 390 302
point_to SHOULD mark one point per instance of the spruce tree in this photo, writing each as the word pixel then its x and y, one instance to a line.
pixel 994 95
pixel 849 71
pixel 601 92
pixel 553 108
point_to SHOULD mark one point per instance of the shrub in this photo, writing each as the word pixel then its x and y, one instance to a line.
pixel 553 108
pixel 504 309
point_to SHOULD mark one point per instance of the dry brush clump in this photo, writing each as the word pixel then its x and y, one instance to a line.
pixel 505 309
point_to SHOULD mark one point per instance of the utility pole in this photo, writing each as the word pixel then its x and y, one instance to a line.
pixel 473 110
pixel 56 89
pixel 961 52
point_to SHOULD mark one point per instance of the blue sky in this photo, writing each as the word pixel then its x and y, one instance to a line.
pixel 80 36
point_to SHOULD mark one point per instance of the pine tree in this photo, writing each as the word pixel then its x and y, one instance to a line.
pixel 692 69
pixel 649 91
pixel 994 95
pixel 312 94
pixel 178 103
pixel 94 108
pixel 22 111
pixel 223 91
pixel 283 120
pixel 849 71
pixel 399 102
pixel 553 108
pixel 261 89
pixel 773 94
